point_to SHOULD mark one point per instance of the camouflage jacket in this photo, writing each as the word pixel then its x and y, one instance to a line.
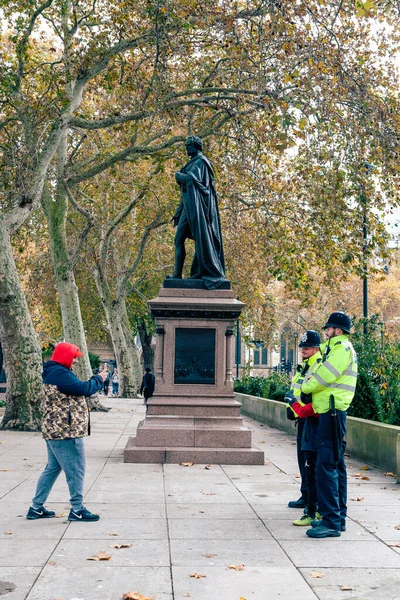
pixel 64 416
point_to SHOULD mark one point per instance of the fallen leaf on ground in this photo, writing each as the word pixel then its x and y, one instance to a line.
pixel 316 575
pixel 187 595
pixel 397 527
pixel 356 499
pixel 202 511
pixel 210 555
pixel 365 478
pixel 6 443
pixel 297 475
pixel 208 493
pixel 390 474
pixel 4 470
pixel 170 494
pixel 118 546
pixel 261 442
pixel 113 534
pixel 187 464
pixel 7 532
pixel 51 562
pixel 100 556
pixel 61 515
pixel 395 545
pixel 207 467
pixel 236 567
pixel 136 596
pixel 197 575
pixel 241 598
pixel 347 588
pixel 364 468
pixel 357 474
pixel 108 477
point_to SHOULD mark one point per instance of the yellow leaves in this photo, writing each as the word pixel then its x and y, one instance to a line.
pixel 236 567
pixel 316 575
pixel 303 123
pixel 390 474
pixel 197 575
pixel 209 555
pixel 365 468
pixel 7 532
pixel 186 464
pixel 100 556
pixel 119 546
pixel 356 499
pixel 346 588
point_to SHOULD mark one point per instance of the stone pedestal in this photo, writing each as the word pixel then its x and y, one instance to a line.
pixel 193 415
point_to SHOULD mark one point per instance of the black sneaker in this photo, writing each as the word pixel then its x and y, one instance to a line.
pixel 300 503
pixel 40 513
pixel 82 515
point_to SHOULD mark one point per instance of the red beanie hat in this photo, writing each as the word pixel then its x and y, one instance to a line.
pixel 65 353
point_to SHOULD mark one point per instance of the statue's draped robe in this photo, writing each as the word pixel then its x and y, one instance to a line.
pixel 199 220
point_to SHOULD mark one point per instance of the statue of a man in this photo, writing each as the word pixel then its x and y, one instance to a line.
pixel 197 218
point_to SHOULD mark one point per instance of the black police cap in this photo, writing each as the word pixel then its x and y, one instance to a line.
pixel 339 319
pixel 310 339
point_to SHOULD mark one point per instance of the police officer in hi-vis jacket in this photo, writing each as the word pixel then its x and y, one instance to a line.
pixel 311 357
pixel 332 386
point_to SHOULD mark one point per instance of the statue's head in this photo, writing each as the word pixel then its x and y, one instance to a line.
pixel 193 145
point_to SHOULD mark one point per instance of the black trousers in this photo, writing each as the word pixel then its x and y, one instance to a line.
pixel 301 459
pixel 310 476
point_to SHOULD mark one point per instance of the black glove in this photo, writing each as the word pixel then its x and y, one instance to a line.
pixel 305 398
pixel 289 398
pixel 290 414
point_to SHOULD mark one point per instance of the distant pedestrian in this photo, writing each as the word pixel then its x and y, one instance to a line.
pixel 115 382
pixel 106 383
pixel 65 423
pixel 147 387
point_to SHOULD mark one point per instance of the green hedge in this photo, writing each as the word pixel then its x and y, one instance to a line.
pixel 273 387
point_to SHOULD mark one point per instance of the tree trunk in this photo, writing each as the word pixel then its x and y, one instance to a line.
pixel 74 333
pixel 22 355
pixel 145 340
pixel 125 353
pixel 134 353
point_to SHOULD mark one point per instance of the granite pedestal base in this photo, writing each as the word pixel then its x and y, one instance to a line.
pixel 193 415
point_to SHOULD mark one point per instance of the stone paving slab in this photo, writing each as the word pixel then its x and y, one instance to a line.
pixel 185 520
pixel 101 583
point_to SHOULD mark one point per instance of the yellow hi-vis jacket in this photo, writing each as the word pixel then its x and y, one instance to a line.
pixel 299 378
pixel 336 375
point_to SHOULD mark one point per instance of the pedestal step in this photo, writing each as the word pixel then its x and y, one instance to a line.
pixel 196 436
pixel 171 454
pixel 207 407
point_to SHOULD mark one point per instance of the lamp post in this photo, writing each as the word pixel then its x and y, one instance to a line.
pixel 368 169
pixel 295 353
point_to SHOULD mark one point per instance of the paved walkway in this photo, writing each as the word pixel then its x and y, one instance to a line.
pixel 181 521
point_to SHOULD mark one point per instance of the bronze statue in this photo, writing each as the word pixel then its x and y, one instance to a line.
pixel 197 218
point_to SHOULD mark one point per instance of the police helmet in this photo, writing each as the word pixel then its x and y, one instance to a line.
pixel 338 319
pixel 310 339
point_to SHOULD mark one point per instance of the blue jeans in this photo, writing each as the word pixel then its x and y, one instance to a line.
pixel 68 456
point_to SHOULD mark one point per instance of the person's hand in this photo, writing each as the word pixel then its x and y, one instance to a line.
pixel 103 375
pixel 289 398
pixel 175 220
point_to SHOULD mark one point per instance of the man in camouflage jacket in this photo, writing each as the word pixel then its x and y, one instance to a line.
pixel 64 425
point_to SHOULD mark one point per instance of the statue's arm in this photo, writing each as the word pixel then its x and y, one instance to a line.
pixel 181 178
